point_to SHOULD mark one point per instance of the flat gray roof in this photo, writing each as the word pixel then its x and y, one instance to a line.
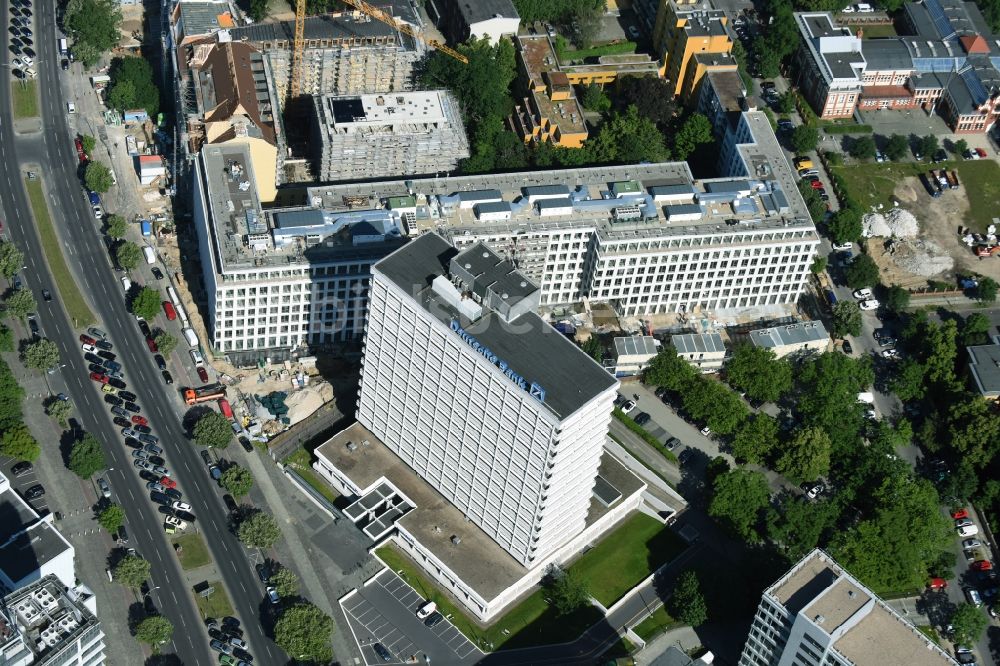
pixel 474 11
pixel 635 344
pixel 887 53
pixel 26 540
pixel 792 334
pixel 531 347
pixel 342 27
pixel 984 363
pixel 698 343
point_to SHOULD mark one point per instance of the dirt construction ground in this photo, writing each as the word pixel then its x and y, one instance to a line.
pixel 939 220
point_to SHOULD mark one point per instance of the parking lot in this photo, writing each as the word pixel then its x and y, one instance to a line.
pixel 384 611
pixel 23 482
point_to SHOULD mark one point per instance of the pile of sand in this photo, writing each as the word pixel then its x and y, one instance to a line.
pixel 898 223
pixel 305 401
pixel 919 257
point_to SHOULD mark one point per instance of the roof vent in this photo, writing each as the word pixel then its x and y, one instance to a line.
pixel 523 284
pixel 455 539
pixel 850 594
pixel 820 619
pixel 486 255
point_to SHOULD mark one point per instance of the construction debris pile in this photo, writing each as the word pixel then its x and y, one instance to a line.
pixel 897 223
pixel 919 257
pixel 288 409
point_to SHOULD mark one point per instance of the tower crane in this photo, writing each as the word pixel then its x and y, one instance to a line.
pixel 368 10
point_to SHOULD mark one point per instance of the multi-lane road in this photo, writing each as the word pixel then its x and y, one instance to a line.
pixel 52 153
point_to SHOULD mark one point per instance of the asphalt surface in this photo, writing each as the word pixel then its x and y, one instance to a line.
pixel 87 257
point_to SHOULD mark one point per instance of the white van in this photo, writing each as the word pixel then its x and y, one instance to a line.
pixel 197 358
pixel 864 8
pixel 71 107
pixel 126 283
pixel 191 338
pixel 150 254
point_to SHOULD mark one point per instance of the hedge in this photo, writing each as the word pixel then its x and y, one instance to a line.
pixel 641 432
pixel 852 128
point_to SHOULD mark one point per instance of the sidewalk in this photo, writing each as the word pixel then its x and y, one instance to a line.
pixel 683 638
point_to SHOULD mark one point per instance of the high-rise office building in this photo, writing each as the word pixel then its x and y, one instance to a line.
pixel 818 614
pixel 501 414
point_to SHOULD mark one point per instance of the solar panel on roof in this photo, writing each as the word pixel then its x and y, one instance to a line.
pixel 975 86
pixel 941 22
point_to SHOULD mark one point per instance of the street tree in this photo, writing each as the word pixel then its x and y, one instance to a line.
pixel 756 370
pixel 928 146
pixel 814 202
pixel 796 527
pixel 6 339
pixel 258 530
pixel 896 147
pixel 89 143
pixel 939 346
pixel 862 272
pixel 304 630
pixel 973 430
pixel 40 355
pixel 986 292
pixel 18 443
pixel 94 25
pixel 786 102
pixel 20 303
pixel 969 623
pixel 845 225
pixel 960 147
pixel 146 303
pixel 669 371
pixel 738 499
pixel 846 319
pixel 755 439
pixel 827 386
pixel 154 630
pixel 213 430
pixel 111 518
pixel 567 591
pixel 896 299
pixel 237 480
pixel 687 603
pixel 694 132
pixel 804 139
pixel 710 402
pixel 127 255
pixel 165 342
pixel 86 458
pixel 818 265
pixel 11 259
pixel 132 85
pixel 285 582
pixel 116 226
pixel 131 571
pixel 258 9
pixel 863 148
pixel 59 410
pixel 806 457
pixel 976 329
pixel 97 177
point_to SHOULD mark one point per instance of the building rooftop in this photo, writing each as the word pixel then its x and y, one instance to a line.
pixel 27 541
pixel 702 22
pixel 541 66
pixel 531 348
pixel 48 616
pixel 837 49
pixel 984 364
pixel 698 343
pixel 475 11
pixel 372 111
pixel 203 17
pixel 340 28
pixel 478 560
pixel 636 345
pixel 863 628
pixel 244 236
pixel 974 85
pixel 792 334
pixel 230 83
pixel 887 53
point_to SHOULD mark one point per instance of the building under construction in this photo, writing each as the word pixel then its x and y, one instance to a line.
pixel 359 137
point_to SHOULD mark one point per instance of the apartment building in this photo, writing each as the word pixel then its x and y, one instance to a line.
pixel 819 614
pixel 46 623
pixel 357 137
pixel 686 36
pixel 483 19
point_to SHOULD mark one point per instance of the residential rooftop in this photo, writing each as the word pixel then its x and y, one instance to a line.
pixel 530 346
pixel 864 629
pixel 984 366
pixel 348 28
pixel 790 334
pixel 698 343
pixel 476 559
pixel 476 11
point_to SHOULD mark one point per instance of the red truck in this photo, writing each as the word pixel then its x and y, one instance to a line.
pixel 227 411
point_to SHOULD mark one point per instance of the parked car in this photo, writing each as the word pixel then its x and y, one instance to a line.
pixel 862 294
pixel 642 418
pixel 272 594
pixel 34 492
pixel 21 468
pixel 967 530
pixel 627 406
pixel 972 594
pixel 937 584
pixel 382 653
pixel 958 514
pixel 869 304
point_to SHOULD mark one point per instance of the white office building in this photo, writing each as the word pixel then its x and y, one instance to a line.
pixel 500 413
pixel 818 614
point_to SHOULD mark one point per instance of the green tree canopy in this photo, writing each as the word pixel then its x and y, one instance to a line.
pixel 652 96
pixel 127 255
pixel 738 498
pixel 804 139
pixel 845 225
pixel 213 429
pixel 896 299
pixel 986 292
pixel 131 571
pixel 797 527
pixel 304 630
pixel 94 25
pixel 111 518
pixel 97 177
pixel 846 319
pixel 594 98
pixel 20 303
pixel 814 202
pixel 755 439
pixel 116 226
pixel 928 146
pixel 696 131
pixel 806 457
pixel 86 458
pixel 146 303
pixel 828 386
pixel 165 342
pixel 6 339
pixel 11 259
pixel 786 102
pixel 593 348
pixel 973 430
pixel 59 410
pixel 40 355
pixel 759 372
pixel 132 86
pixel 896 147
pixel 18 443
pixel 709 402
pixel 960 146
pixel 628 138
pixel 969 623
pixel 285 582
pixel 669 371
pixel 818 265
pixel 258 9
pixel 154 630
pixel 976 329
pixel 863 148
pixel 862 272
pixel 11 395
pixel 258 530
pixel 237 480
pixel 908 382
pixel 567 591
pixel 687 603
pixel 89 143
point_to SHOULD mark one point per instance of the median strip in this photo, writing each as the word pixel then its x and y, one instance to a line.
pixel 24 99
pixel 65 283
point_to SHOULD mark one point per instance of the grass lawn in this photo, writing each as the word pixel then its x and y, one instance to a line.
pixel 194 553
pixel 65 283
pixel 874 31
pixel 529 623
pixel 873 184
pixel 301 460
pixel 627 556
pixel 930 632
pixel 25 99
pixel 655 624
pixel 216 604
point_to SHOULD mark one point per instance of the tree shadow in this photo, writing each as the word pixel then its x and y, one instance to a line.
pixel 168 659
